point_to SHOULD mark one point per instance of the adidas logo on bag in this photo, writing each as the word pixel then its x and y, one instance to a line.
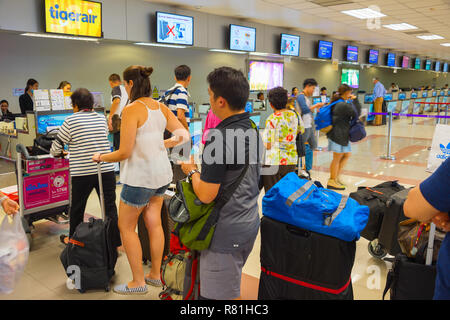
pixel 445 151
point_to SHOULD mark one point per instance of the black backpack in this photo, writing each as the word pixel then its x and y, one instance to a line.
pixel 93 251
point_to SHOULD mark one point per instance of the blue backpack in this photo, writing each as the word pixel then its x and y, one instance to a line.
pixel 301 203
pixel 324 118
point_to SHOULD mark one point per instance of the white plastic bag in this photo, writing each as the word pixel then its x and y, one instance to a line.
pixel 440 147
pixel 14 249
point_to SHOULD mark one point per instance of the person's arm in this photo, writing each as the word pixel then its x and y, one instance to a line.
pixel 8 205
pixel 182 117
pixel 417 207
pixel 317 106
pixel 268 135
pixel 180 134
pixel 63 138
pixel 114 106
pixel 205 192
pixel 128 129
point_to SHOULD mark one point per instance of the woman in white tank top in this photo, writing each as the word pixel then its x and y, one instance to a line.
pixel 145 173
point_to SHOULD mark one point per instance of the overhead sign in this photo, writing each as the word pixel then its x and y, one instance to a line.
pixel 74 17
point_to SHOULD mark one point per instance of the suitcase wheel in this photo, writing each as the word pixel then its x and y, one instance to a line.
pixel 376 250
pixel 81 291
pixel 108 289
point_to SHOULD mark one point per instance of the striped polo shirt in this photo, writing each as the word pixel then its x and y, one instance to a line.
pixel 178 99
pixel 86 133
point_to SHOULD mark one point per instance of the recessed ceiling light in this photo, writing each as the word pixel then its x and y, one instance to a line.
pixel 364 13
pixel 445 44
pixel 400 26
pixel 432 37
pixel 158 45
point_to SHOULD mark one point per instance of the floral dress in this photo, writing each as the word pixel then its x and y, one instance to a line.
pixel 281 131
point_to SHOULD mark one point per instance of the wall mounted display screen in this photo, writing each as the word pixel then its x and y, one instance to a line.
pixel 373 56
pixel 437 66
pixel 74 17
pixel 417 64
pixel 401 96
pixel 325 50
pixel 352 53
pixel 428 65
pixel 242 38
pixel 174 29
pixel 290 45
pixel 265 75
pixel 391 57
pixel 405 62
pixel 350 77
pixel 445 68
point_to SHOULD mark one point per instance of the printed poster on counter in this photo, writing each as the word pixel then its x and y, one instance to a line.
pixel 57 99
pixel 41 100
pixel 67 101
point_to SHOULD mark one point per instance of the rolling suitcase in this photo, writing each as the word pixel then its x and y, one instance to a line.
pixel 388 235
pixel 297 264
pixel 375 198
pixel 167 225
pixel 412 280
pixel 93 250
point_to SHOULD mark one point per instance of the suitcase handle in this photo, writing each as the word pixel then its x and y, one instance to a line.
pixel 100 185
pixel 298 232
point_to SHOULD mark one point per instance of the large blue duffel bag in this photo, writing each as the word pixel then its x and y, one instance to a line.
pixel 301 203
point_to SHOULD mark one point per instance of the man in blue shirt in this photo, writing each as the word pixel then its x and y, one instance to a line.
pixel 379 91
pixel 431 202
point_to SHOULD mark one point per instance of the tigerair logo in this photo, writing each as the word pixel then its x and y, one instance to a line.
pixel 65 17
pixel 445 152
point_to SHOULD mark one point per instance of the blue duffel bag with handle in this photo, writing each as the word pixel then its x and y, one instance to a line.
pixel 301 203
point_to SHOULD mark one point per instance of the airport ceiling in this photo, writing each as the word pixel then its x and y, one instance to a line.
pixel 325 17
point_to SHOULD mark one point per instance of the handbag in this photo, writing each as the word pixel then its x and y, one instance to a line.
pixel 357 131
pixel 196 221
pixel 299 140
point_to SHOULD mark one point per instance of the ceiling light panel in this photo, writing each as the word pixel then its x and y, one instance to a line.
pixel 400 26
pixel 364 13
pixel 431 37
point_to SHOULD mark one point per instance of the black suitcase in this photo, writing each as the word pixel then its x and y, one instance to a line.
pixel 298 264
pixel 411 279
pixel 93 249
pixel 375 198
pixel 167 225
pixel 388 235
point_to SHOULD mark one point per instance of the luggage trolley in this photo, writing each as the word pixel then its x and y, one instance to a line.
pixel 43 187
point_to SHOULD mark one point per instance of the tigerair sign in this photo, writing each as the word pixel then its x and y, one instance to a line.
pixel 74 17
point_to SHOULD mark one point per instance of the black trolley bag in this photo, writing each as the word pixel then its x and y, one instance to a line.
pixel 93 249
pixel 375 198
pixel 167 225
pixel 298 264
pixel 410 279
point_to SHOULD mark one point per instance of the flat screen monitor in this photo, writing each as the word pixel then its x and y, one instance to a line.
pixel 350 77
pixel 428 65
pixel 290 45
pixel 256 118
pixel 391 57
pixel 352 53
pixel 388 96
pixel 325 50
pixel 75 17
pixel 316 100
pixel 414 95
pixel 435 94
pixel 445 67
pixel 368 98
pixel 265 75
pixel 174 29
pixel 47 121
pixel 242 38
pixel 405 62
pixel 437 66
pixel 373 56
pixel 417 64
pixel 402 96
pixel 195 130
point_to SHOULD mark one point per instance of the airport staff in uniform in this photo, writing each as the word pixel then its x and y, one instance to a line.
pixel 379 91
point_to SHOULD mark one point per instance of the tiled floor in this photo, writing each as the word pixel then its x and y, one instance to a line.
pixel 44 276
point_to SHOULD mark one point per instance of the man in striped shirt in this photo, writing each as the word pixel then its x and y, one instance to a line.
pixel 178 95
pixel 86 133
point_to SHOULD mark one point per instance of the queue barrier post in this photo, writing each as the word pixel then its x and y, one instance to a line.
pixel 318 136
pixel 388 155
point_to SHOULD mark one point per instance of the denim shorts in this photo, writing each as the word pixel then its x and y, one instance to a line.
pixel 335 147
pixel 139 197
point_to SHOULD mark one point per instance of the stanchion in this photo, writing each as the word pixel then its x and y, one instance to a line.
pixel 412 117
pixel 317 136
pixel 388 156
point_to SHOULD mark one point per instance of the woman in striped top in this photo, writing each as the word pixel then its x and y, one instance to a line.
pixel 86 133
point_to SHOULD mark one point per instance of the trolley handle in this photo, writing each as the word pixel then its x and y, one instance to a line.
pixel 21 149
